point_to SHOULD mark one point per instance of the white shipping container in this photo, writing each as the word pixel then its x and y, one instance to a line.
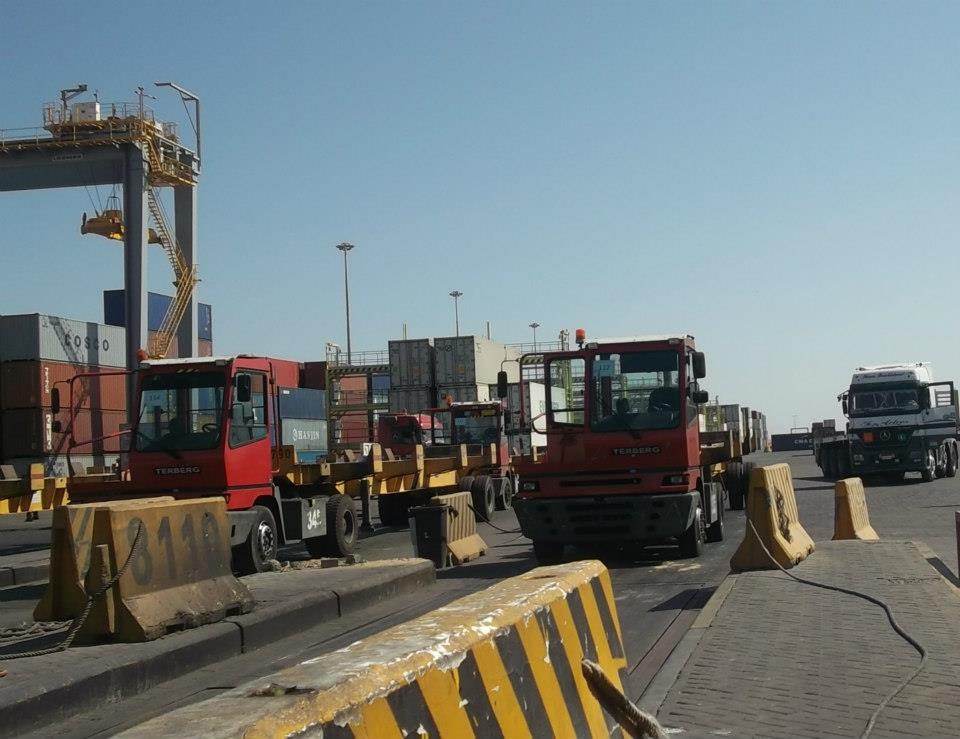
pixel 463 393
pixel 304 433
pixel 36 336
pixel 411 362
pixel 731 413
pixel 411 399
pixel 473 360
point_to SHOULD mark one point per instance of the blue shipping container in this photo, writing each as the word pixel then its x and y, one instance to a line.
pixel 115 312
pixel 297 402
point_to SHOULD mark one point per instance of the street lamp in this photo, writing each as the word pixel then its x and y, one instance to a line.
pixel 456 295
pixel 345 247
pixel 534 326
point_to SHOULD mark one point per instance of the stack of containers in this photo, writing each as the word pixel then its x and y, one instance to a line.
pixel 36 352
pixel 466 366
pixel 115 314
pixel 412 382
pixel 731 416
pixel 303 421
pixel 746 426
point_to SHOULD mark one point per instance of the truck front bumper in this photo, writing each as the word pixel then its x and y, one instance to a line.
pixel 636 519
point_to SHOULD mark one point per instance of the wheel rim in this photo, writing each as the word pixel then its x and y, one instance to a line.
pixel 701 526
pixel 349 526
pixel 266 541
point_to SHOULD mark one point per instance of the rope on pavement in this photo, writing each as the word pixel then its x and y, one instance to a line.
pixel 487 521
pixel 81 619
pixel 633 720
pixel 876 601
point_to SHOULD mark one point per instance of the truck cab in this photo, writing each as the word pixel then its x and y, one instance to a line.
pixel 212 427
pixel 899 420
pixel 623 461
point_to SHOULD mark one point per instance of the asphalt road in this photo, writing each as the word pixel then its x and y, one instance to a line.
pixel 658 596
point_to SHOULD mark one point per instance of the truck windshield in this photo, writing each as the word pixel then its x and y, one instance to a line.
pixel 635 391
pixel 180 411
pixel 476 427
pixel 877 402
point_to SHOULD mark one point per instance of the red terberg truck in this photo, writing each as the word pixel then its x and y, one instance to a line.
pixel 626 462
pixel 440 431
pixel 212 426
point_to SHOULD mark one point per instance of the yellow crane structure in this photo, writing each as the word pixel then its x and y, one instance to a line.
pixel 133 123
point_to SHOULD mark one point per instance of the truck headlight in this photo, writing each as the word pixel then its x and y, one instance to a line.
pixel 857 457
pixel 529 486
pixel 676 479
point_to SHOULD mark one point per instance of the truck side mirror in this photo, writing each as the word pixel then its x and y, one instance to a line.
pixel 699 365
pixel 845 406
pixel 243 388
pixel 501 384
pixel 700 397
pixel 55 401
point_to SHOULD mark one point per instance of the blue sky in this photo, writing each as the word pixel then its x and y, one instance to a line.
pixel 779 179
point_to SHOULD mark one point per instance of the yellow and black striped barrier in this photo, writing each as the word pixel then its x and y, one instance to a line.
pixel 502 662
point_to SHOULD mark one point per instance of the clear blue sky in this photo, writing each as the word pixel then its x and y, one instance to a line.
pixel 779 179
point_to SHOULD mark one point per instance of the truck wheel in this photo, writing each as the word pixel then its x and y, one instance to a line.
pixel 733 479
pixel 341 536
pixel 829 464
pixel 691 540
pixel 715 530
pixel 504 486
pixel 466 483
pixel 484 498
pixel 260 546
pixel 843 465
pixel 929 472
pixel 547 552
pixel 951 467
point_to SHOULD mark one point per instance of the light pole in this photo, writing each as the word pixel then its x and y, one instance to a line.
pixel 456 295
pixel 534 326
pixel 345 247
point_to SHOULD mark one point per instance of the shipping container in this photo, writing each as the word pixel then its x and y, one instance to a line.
pixel 353 428
pixel 791 442
pixel 302 403
pixel 463 393
pixel 115 312
pixel 411 362
pixel 173 350
pixel 351 390
pixel 731 413
pixel 37 336
pixel 304 434
pixel 412 399
pixel 314 375
pixel 55 465
pixel 204 348
pixel 29 432
pixel 28 384
pixel 286 373
pixel 473 360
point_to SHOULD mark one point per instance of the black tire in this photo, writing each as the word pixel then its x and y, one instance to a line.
pixel 260 546
pixel 829 463
pixel 547 552
pixel 929 472
pixel 951 468
pixel 484 497
pixel 504 488
pixel 393 509
pixel 715 530
pixel 691 540
pixel 843 464
pixel 342 527
pixel 732 479
pixel 466 483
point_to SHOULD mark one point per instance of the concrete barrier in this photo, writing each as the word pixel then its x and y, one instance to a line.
pixel 502 662
pixel 38 493
pixel 461 539
pixel 772 509
pixel 178 573
pixel 851 519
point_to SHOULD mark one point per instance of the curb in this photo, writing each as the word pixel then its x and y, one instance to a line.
pixel 22 574
pixel 103 679
pixel 656 692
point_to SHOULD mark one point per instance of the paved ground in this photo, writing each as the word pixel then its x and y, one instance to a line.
pixel 783 659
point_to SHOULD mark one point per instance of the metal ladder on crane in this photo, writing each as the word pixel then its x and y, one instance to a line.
pixel 185 278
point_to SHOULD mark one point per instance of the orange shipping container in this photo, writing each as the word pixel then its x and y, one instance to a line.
pixel 29 432
pixel 28 385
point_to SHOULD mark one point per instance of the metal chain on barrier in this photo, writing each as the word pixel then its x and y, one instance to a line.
pixel 870 599
pixel 783 523
pixel 633 720
pixel 78 622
